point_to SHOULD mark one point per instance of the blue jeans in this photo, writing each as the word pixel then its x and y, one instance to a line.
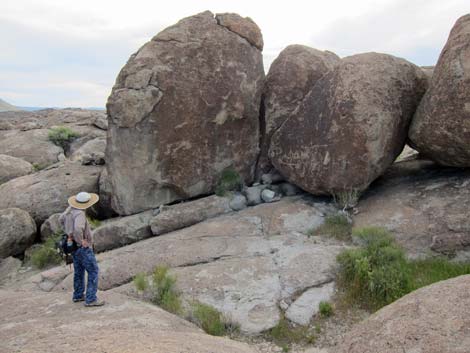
pixel 84 260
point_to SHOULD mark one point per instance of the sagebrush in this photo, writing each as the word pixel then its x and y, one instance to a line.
pixel 62 136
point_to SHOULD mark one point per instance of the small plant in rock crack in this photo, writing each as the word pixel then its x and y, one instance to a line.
pixel 140 282
pixel 46 254
pixel 337 226
pixel 325 308
pixel 62 136
pixel 284 334
pixel 346 199
pixel 229 180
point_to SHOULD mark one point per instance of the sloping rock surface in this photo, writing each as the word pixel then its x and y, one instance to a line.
pixel 35 322
pixel 441 126
pixel 433 319
pixel 184 108
pixel 46 192
pixel 424 206
pixel 351 126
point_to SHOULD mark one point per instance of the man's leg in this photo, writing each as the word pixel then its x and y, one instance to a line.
pixel 78 276
pixel 91 267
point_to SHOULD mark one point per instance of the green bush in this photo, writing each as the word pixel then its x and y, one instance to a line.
pixel 346 199
pixel 209 319
pixel 426 272
pixel 229 180
pixel 164 292
pixel 378 273
pixel 62 136
pixel 94 223
pixel 46 254
pixel 336 226
pixel 141 282
pixel 325 308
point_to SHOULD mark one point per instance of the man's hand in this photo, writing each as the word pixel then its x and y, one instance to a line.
pixel 85 243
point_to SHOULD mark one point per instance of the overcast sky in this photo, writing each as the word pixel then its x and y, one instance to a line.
pixel 68 53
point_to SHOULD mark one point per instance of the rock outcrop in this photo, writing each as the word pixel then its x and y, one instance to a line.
pixel 433 319
pixel 51 226
pixel 424 206
pixel 46 192
pixel 166 142
pixel 123 325
pixel 351 125
pixel 91 152
pixel 17 231
pixel 441 126
pixel 32 146
pixel 291 76
pixel 12 167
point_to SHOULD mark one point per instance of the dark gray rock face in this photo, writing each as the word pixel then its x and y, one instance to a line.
pixel 17 231
pixel 441 127
pixel 351 126
pixel 291 76
pixel 184 108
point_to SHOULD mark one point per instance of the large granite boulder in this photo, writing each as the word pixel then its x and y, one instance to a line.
pixel 48 322
pixel 441 127
pixel 433 319
pixel 184 108
pixel 91 152
pixel 51 227
pixel 291 76
pixel 12 167
pixel 17 231
pixel 351 125
pixel 424 206
pixel 32 146
pixel 45 193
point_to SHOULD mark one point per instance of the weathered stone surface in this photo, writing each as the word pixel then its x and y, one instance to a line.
pixel 238 202
pixel 46 192
pixel 17 231
pixel 32 146
pixel 253 194
pixel 12 167
pixel 241 263
pixel 306 306
pixel 291 76
pixel 101 122
pixel 121 231
pixel 188 213
pixel 51 226
pixel 8 269
pixel 91 152
pixel 268 195
pixel 441 126
pixel 47 322
pixel 433 319
pixel 351 126
pixel 167 143
pixel 104 207
pixel 244 27
pixel 424 206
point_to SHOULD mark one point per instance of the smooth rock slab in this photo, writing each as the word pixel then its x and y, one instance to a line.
pixel 39 322
pixel 306 306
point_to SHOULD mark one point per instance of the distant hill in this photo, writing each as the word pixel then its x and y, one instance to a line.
pixel 6 107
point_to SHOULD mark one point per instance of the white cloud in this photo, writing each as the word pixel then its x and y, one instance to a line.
pixel 75 49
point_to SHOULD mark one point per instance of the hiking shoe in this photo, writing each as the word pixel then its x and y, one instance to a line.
pixel 82 299
pixel 95 303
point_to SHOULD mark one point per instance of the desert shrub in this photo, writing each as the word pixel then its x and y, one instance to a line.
pixel 377 273
pixel 164 292
pixel 141 282
pixel 325 308
pixel 94 223
pixel 62 136
pixel 46 254
pixel 209 319
pixel 337 226
pixel 285 334
pixel 428 271
pixel 229 180
pixel 346 199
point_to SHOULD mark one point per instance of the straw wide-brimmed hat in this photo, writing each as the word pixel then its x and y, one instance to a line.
pixel 83 200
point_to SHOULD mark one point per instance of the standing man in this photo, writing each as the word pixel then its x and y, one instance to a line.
pixel 78 229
